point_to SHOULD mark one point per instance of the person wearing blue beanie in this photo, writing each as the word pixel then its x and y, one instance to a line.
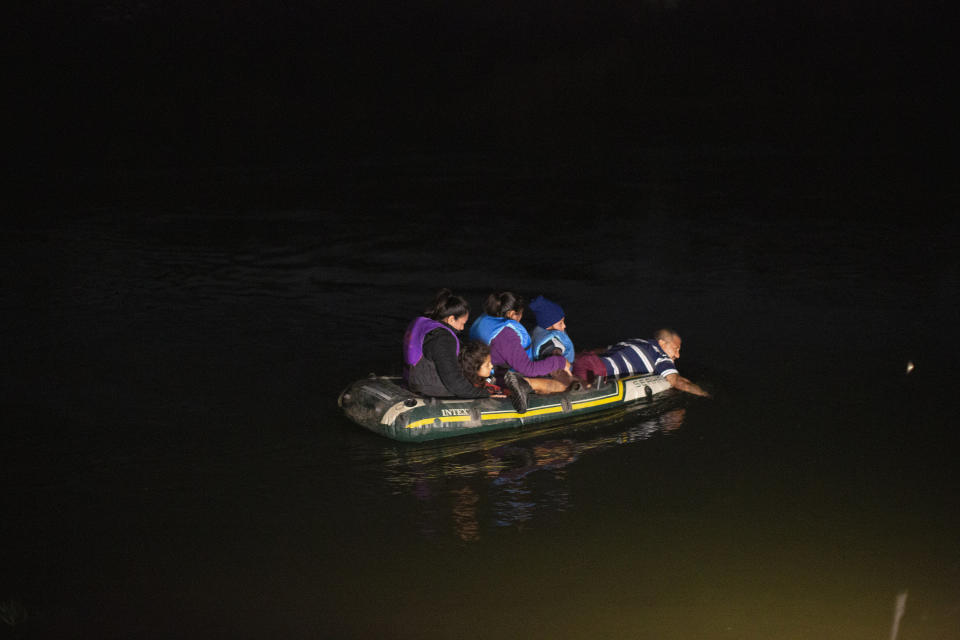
pixel 546 311
pixel 550 335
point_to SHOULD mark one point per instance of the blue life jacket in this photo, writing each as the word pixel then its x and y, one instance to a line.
pixel 485 328
pixel 542 336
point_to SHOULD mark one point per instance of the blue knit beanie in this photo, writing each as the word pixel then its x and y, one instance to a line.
pixel 547 312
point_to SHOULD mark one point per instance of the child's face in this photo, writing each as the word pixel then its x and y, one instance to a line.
pixel 485 368
pixel 559 325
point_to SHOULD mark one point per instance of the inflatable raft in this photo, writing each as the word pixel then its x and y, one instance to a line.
pixel 383 406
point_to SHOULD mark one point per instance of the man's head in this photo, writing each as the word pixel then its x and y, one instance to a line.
pixel 669 340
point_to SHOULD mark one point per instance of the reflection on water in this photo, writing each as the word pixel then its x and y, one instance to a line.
pixel 507 481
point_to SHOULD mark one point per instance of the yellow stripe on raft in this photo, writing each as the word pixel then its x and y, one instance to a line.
pixel 503 415
pixel 598 401
pixel 506 415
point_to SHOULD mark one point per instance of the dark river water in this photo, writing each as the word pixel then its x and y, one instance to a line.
pixel 175 463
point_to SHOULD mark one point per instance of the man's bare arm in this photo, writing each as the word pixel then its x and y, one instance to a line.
pixel 679 382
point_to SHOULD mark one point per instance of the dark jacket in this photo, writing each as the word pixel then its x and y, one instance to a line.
pixel 438 372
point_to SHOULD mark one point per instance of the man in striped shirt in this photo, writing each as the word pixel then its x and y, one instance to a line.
pixel 639 356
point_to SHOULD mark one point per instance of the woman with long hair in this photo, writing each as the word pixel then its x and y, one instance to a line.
pixel 431 348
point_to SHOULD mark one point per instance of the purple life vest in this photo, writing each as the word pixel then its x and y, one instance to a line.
pixel 413 339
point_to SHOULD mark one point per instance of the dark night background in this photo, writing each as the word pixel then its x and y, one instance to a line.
pixel 218 214
pixel 101 86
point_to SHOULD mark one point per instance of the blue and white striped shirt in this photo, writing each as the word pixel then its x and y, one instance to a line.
pixel 637 356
